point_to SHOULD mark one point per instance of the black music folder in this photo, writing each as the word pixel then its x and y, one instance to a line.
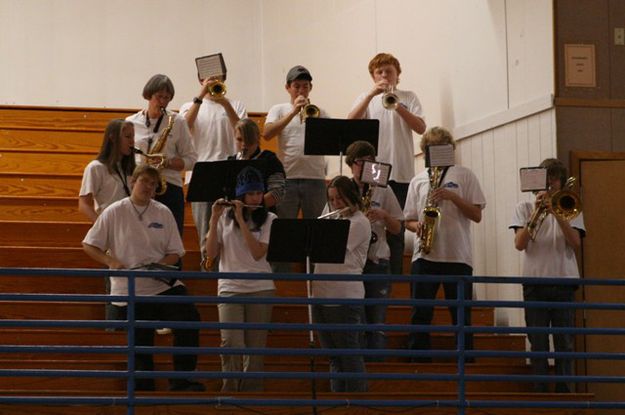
pixel 212 180
pixel 319 240
pixel 332 136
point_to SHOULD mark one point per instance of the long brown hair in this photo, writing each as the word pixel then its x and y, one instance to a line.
pixel 110 152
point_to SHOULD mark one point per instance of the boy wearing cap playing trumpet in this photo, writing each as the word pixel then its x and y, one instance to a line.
pixel 305 184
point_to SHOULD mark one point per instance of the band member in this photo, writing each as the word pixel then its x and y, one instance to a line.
pixel 105 179
pixel 247 138
pixel 305 184
pixel 211 118
pixel 343 198
pixel 239 234
pixel 550 254
pixel 157 127
pixel 385 215
pixel 460 200
pixel 138 231
pixel 399 113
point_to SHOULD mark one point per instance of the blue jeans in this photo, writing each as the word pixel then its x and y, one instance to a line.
pixel 343 314
pixel 550 317
pixel 375 314
pixel 423 315
pixel 173 198
pixel 309 195
pixel 396 242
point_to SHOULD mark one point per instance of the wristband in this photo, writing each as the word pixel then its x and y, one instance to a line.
pixel 197 100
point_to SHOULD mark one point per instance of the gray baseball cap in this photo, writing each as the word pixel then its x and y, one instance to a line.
pixel 298 72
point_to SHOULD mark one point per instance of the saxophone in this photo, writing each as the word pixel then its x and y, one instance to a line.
pixel 157 150
pixel 431 213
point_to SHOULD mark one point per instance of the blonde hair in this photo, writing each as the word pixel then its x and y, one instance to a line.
pixel 436 135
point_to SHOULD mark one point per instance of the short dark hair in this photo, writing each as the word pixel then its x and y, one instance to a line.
pixel 347 189
pixel 358 149
pixel 555 169
pixel 156 84
pixel 147 170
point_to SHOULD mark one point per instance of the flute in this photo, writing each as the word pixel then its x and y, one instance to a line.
pixel 231 204
pixel 336 213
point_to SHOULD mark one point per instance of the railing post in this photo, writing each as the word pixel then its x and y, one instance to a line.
pixel 460 327
pixel 130 316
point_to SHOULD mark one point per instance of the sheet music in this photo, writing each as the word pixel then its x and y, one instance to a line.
pixel 533 179
pixel 441 155
pixel 211 65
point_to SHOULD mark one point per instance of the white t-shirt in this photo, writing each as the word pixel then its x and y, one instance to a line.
pixel 136 242
pixel 452 235
pixel 395 142
pixel 291 143
pixel 213 134
pixel 179 142
pixel 355 258
pixel 383 198
pixel 548 255
pixel 104 187
pixel 235 256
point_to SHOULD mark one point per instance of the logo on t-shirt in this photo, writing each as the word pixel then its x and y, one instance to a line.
pixel 155 225
pixel 451 185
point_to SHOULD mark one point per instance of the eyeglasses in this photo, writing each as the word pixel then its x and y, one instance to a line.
pixel 361 162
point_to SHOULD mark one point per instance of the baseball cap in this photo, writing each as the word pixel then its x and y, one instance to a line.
pixel 298 72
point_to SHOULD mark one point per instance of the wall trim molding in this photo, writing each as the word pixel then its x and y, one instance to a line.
pixel 504 117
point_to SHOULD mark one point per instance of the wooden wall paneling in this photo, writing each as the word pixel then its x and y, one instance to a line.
pixel 51 163
pixel 583 22
pixel 60 119
pixel 616 63
pixel 42 185
pixel 581 128
pixel 488 215
pixel 547 133
pixel 617 115
pixel 52 141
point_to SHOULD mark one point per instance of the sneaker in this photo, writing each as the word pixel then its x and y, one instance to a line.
pixel 185 385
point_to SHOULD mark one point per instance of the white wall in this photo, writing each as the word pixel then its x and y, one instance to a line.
pixel 97 53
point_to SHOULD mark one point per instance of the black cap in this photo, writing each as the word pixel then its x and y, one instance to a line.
pixel 298 72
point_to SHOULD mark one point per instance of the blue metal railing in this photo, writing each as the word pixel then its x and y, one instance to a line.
pixel 460 377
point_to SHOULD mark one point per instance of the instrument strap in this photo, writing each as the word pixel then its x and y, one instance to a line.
pixel 123 178
pixel 156 126
pixel 440 181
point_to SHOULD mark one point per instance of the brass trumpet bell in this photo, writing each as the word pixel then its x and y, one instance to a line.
pixel 217 90
pixel 309 111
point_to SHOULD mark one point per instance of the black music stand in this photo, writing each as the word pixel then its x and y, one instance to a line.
pixel 212 180
pixel 316 240
pixel 332 136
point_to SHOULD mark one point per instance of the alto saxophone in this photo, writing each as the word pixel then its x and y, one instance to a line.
pixel 431 213
pixel 157 150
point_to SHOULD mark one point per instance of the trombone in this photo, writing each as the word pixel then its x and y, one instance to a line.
pixel 565 204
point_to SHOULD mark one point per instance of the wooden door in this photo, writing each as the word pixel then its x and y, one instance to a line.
pixel 602 177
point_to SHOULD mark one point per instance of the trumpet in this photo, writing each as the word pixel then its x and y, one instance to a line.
pixel 565 204
pixel 217 90
pixel 309 111
pixel 230 203
pixel 337 213
pixel 390 100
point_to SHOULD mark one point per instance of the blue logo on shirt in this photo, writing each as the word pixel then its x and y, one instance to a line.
pixel 451 185
pixel 155 225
